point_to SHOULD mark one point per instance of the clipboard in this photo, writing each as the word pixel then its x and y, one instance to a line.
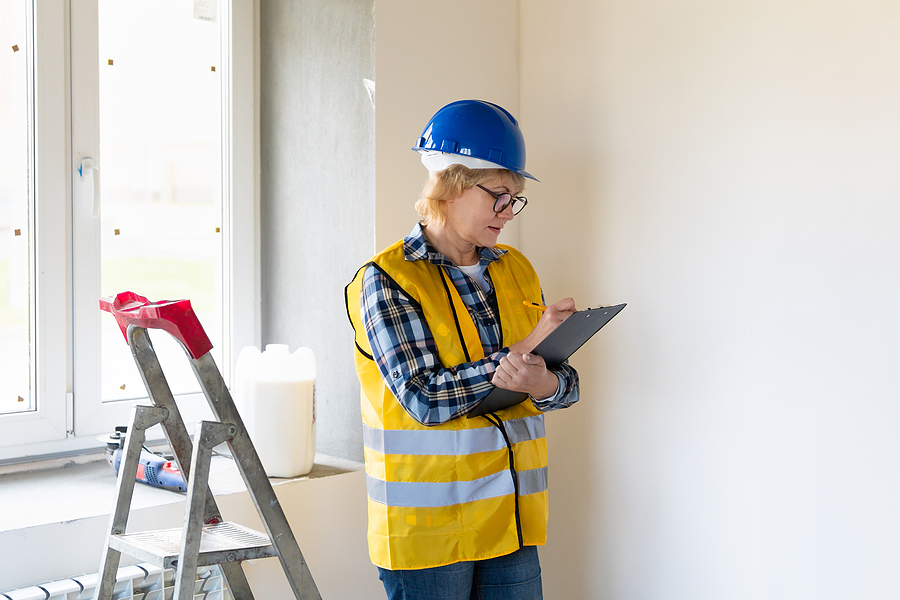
pixel 562 343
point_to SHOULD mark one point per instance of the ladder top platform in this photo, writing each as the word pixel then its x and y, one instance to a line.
pixel 174 316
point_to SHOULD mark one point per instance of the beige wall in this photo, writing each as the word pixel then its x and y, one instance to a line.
pixel 729 169
pixel 428 54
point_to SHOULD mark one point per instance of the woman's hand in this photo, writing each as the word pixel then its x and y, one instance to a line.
pixel 553 315
pixel 525 373
pixel 521 371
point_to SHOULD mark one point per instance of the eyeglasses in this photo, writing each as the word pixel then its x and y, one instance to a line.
pixel 501 201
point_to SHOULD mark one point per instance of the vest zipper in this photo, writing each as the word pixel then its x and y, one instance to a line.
pixel 498 423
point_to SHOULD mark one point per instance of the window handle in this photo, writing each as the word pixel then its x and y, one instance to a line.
pixel 89 173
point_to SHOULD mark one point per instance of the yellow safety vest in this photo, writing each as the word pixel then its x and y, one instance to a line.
pixel 447 493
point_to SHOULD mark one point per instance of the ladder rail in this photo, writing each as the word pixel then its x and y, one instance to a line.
pixel 135 315
pixel 250 467
pixel 142 418
pixel 208 435
pixel 160 393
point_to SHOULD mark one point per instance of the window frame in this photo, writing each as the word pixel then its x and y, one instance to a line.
pixel 65 421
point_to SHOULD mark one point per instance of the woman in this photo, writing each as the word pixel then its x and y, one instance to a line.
pixel 457 505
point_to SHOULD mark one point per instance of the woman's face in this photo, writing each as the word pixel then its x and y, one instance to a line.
pixel 471 216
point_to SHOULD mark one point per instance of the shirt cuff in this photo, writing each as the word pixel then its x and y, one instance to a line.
pixel 540 404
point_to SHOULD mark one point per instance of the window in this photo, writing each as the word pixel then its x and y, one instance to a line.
pixel 16 164
pixel 158 96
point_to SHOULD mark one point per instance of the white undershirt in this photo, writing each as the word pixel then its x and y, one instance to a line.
pixel 476 272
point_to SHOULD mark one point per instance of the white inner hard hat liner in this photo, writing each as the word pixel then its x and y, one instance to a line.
pixel 438 161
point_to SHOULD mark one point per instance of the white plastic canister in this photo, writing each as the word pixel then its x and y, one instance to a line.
pixel 275 394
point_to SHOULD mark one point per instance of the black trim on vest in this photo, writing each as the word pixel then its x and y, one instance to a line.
pixel 393 281
pixel 462 340
pixel 347 308
pixel 498 423
pixel 347 291
pixel 495 304
pixel 412 301
pixel 364 353
pixel 387 276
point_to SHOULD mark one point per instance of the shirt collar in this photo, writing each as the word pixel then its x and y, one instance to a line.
pixel 416 247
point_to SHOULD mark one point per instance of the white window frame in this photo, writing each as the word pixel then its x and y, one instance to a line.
pixel 68 317
pixel 48 50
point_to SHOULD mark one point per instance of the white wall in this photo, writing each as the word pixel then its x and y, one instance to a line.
pixel 729 169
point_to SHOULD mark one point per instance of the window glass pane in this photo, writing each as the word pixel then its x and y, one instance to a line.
pixel 160 138
pixel 16 374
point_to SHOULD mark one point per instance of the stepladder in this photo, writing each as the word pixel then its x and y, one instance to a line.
pixel 204 539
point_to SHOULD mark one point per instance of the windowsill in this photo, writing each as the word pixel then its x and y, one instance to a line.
pixel 64 490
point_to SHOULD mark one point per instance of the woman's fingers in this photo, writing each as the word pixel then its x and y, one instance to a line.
pixel 523 373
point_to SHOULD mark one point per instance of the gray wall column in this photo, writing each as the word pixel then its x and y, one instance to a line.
pixel 317 132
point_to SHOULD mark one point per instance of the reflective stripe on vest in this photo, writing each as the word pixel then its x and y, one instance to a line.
pixel 429 495
pixel 451 442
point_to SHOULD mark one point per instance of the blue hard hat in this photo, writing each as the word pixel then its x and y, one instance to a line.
pixel 481 134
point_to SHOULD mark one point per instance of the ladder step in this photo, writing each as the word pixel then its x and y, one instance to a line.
pixel 219 543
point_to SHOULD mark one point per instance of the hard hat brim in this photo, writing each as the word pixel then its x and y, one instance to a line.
pixel 438 161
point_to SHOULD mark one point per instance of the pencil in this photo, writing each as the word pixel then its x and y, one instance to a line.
pixel 534 305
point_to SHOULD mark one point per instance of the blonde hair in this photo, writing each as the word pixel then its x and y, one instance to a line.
pixel 451 182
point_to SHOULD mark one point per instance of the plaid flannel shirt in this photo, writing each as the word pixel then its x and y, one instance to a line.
pixel 407 355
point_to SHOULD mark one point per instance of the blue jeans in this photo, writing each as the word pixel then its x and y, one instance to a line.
pixel 516 576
